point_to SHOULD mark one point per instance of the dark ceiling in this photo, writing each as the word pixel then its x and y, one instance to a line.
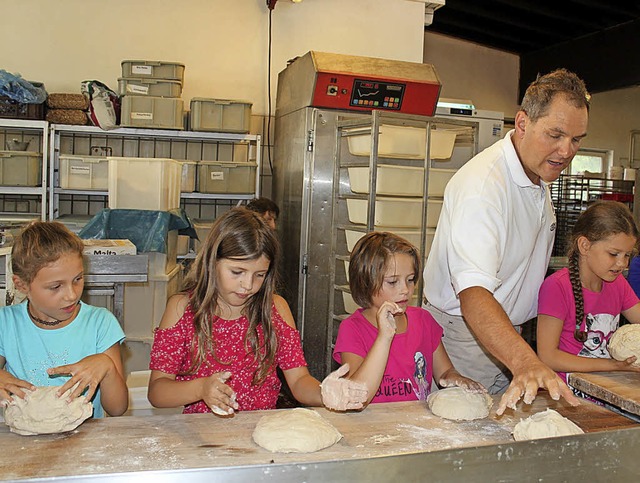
pixel 527 26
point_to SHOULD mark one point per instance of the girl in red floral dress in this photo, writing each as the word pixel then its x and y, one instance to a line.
pixel 220 341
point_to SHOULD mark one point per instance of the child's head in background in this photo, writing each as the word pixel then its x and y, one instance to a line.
pixel 383 267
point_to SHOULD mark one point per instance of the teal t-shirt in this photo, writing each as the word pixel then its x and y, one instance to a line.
pixel 29 350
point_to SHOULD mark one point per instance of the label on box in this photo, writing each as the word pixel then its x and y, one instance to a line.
pixel 137 89
pixel 217 175
pixel 109 247
pixel 81 170
pixel 142 69
pixel 142 115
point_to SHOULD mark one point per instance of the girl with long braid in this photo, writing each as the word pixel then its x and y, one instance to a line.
pixel 579 307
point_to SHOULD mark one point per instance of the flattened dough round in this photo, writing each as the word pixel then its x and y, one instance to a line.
pixel 42 412
pixel 460 405
pixel 545 424
pixel 295 430
pixel 625 342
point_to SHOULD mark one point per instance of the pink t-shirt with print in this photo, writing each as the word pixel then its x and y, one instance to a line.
pixel 409 370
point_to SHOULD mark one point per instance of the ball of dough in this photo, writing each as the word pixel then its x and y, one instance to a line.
pixel 295 430
pixel 42 412
pixel 458 404
pixel 625 342
pixel 546 424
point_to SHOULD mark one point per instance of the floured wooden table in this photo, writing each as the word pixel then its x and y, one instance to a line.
pixel 180 442
pixel 620 389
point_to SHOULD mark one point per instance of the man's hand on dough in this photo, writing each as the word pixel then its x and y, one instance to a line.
pixel 525 385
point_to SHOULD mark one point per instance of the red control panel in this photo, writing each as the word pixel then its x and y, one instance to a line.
pixel 356 93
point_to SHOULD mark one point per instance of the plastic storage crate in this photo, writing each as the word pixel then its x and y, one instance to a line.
pixel 149 87
pixel 153 69
pixel 84 172
pixel 219 115
pixel 226 177
pixel 144 303
pixel 144 183
pixel 188 181
pixel 152 112
pixel 202 227
pixel 160 264
pixel 20 168
pixel 400 180
pixel 18 110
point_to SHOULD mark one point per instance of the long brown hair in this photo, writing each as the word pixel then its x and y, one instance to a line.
pixel 39 244
pixel 239 234
pixel 601 220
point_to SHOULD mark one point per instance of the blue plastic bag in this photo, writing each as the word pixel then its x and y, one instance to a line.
pixel 20 90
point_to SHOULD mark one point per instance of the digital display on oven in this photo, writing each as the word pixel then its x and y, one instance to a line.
pixel 377 95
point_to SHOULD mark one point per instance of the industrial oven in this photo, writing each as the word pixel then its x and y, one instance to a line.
pixel 337 116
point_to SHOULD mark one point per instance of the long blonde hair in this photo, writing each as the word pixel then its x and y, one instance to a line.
pixel 601 220
pixel 239 234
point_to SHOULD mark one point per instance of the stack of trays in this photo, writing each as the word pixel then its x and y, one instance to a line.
pixel 151 93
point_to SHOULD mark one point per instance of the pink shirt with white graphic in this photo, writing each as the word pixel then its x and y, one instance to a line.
pixel 602 312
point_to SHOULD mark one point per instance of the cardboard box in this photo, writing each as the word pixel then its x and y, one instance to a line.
pixel 109 247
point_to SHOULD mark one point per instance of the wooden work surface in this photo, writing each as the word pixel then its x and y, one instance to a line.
pixel 126 444
pixel 620 389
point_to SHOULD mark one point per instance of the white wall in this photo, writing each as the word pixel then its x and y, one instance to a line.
pixel 488 77
pixel 223 43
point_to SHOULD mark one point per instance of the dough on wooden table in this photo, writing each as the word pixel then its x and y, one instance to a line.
pixel 458 404
pixel 295 430
pixel 42 412
pixel 625 342
pixel 545 424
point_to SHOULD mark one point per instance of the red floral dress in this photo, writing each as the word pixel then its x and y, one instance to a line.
pixel 171 354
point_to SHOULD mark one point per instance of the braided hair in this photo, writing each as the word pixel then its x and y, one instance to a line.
pixel 601 220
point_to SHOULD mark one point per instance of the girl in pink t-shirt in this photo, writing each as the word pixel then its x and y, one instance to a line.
pixel 219 342
pixel 579 307
pixel 393 348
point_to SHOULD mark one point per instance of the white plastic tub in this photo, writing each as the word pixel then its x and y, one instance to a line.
pixel 405 142
pixel 144 303
pixel 395 212
pixel 84 172
pixel 400 180
pixel 188 181
pixel 139 405
pixel 412 237
pixel 144 183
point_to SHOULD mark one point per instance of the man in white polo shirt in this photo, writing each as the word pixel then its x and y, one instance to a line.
pixel 494 239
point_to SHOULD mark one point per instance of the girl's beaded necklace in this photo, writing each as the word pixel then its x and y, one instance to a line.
pixel 48 323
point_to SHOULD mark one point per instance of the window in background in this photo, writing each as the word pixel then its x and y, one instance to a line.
pixel 592 160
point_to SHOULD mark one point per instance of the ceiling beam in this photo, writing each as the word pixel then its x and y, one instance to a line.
pixel 606 60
